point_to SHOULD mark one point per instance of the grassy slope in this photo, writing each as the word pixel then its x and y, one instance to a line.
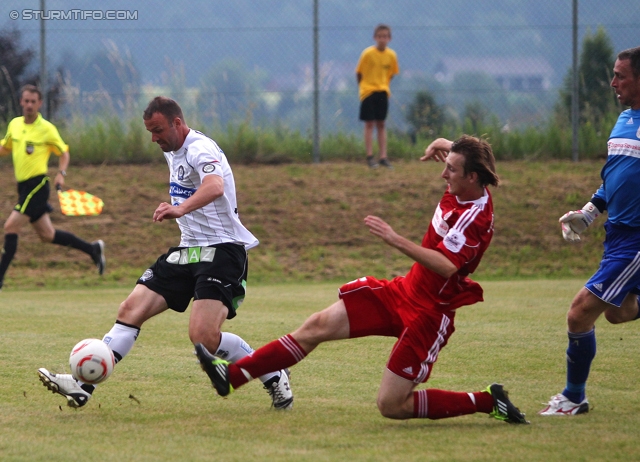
pixel 309 221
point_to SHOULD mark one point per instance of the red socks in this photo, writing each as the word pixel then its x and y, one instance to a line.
pixel 274 356
pixel 440 404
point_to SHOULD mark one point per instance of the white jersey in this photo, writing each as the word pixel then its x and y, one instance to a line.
pixel 218 221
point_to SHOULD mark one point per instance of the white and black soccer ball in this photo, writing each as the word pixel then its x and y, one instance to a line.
pixel 91 361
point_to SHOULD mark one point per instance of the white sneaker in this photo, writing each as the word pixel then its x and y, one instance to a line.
pixel 280 391
pixel 561 405
pixel 65 385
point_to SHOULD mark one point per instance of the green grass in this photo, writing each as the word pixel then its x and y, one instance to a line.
pixel 159 406
pixel 108 138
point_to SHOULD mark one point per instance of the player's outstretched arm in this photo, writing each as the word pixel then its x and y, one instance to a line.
pixel 431 259
pixel 437 150
pixel 575 222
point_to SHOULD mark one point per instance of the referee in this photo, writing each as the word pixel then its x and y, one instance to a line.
pixel 31 139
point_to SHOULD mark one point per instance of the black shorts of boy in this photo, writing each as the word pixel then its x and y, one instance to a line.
pixel 33 197
pixel 216 272
pixel 375 106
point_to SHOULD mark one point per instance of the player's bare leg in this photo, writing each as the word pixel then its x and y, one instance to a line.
pixel 382 138
pixel 628 310
pixel 585 309
pixel 395 397
pixel 369 126
pixel 44 228
pixel 141 304
pixel 332 323
pixel 205 323
pixel 15 222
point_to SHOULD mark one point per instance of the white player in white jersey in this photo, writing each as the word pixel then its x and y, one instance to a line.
pixel 216 222
pixel 209 266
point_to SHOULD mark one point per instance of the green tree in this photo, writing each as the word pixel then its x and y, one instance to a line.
pixel 13 64
pixel 425 116
pixel 595 97
pixel 231 93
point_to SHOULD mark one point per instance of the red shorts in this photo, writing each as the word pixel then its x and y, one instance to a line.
pixel 379 307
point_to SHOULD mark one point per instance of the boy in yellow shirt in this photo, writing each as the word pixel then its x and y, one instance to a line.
pixel 31 139
pixel 376 67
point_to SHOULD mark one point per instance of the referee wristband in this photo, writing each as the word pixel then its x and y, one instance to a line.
pixel 62 172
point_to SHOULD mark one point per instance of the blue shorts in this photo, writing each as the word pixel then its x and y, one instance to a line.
pixel 619 272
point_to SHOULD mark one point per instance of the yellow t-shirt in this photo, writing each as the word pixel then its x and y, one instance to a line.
pixel 376 67
pixel 31 145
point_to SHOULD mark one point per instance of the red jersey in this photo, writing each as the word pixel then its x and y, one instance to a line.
pixel 462 232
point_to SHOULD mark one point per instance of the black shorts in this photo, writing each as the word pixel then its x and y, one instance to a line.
pixel 375 106
pixel 216 272
pixel 33 197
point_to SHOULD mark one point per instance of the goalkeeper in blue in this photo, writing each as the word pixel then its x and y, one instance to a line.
pixel 614 288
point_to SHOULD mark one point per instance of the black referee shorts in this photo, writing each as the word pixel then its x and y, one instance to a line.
pixel 33 197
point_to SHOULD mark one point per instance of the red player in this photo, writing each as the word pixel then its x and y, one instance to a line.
pixel 418 309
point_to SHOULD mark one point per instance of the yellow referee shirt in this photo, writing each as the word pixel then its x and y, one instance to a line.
pixel 376 67
pixel 31 145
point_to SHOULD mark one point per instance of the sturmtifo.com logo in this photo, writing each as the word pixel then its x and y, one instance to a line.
pixel 75 15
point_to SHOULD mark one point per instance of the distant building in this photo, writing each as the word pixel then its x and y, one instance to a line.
pixel 513 74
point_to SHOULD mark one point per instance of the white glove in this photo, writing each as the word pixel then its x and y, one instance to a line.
pixel 574 223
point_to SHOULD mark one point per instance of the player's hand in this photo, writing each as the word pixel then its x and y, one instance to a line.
pixel 378 227
pixel 437 150
pixel 575 222
pixel 166 210
pixel 59 180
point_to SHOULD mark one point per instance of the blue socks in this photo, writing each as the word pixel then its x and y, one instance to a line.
pixel 580 354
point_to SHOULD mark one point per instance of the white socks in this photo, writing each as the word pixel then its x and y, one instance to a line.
pixel 121 339
pixel 232 348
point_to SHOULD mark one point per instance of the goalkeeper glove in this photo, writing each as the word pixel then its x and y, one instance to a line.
pixel 574 223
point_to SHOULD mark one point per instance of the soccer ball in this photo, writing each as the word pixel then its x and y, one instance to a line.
pixel 91 361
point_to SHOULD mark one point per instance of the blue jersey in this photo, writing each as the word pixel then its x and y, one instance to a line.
pixel 621 172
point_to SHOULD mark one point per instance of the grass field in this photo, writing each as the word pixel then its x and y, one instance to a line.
pixel 158 404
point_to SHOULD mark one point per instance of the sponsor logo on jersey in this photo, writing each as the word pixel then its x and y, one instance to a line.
pixel 454 240
pixel 208 168
pixel 181 173
pixel 175 190
pixel 638 133
pixel 148 274
pixel 30 148
pixel 630 121
pixel 439 224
